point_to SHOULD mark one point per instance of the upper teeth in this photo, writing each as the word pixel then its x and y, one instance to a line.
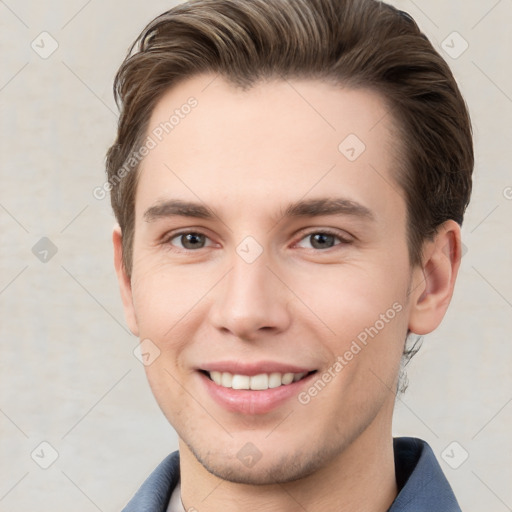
pixel 256 382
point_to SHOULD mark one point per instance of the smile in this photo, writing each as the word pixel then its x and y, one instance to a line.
pixel 253 388
pixel 259 382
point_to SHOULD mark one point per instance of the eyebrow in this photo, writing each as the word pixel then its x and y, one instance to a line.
pixel 301 208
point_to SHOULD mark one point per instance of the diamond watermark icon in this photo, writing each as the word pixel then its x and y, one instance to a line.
pixel 44 45
pixel 249 249
pixel 44 250
pixel 44 455
pixel 146 352
pixel 454 45
pixel 351 147
pixel 454 455
pixel 249 455
pixel 448 250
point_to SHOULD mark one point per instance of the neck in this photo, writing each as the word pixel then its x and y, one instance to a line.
pixel 361 478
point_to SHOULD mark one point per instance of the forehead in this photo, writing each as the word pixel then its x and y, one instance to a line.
pixel 276 141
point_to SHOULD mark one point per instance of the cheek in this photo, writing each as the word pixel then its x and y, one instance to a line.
pixel 168 388
pixel 165 298
pixel 366 313
pixel 350 300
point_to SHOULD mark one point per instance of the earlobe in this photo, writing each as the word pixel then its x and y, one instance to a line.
pixel 124 281
pixel 434 281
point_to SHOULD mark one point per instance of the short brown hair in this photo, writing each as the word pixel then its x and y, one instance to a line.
pixel 354 43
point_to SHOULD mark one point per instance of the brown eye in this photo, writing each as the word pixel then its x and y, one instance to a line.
pixel 189 240
pixel 321 240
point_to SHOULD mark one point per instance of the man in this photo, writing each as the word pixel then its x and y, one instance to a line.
pixel 289 178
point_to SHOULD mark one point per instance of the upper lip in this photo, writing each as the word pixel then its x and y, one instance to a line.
pixel 250 369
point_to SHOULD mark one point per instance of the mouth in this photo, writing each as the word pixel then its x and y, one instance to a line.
pixel 259 382
pixel 253 389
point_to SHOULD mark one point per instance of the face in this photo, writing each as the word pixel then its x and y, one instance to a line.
pixel 270 253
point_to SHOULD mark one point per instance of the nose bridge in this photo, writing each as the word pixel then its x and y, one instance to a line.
pixel 249 280
pixel 249 284
pixel 251 297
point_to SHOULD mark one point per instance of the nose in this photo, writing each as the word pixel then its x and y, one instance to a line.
pixel 251 301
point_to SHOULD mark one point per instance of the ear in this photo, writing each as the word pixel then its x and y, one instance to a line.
pixel 124 281
pixel 433 282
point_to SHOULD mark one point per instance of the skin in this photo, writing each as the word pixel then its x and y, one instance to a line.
pixel 247 155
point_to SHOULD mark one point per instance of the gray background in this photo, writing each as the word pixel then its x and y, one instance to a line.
pixel 68 376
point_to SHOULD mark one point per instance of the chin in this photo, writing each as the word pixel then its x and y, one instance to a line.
pixel 282 468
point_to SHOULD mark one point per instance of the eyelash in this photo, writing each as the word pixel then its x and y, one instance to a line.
pixel 342 240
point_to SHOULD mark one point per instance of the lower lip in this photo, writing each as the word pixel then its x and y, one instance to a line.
pixel 247 401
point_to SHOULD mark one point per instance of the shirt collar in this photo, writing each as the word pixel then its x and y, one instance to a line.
pixel 420 480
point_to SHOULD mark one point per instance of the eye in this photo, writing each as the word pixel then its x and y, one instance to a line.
pixel 193 240
pixel 189 240
pixel 322 240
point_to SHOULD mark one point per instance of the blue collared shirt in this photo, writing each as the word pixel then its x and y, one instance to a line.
pixel 420 480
